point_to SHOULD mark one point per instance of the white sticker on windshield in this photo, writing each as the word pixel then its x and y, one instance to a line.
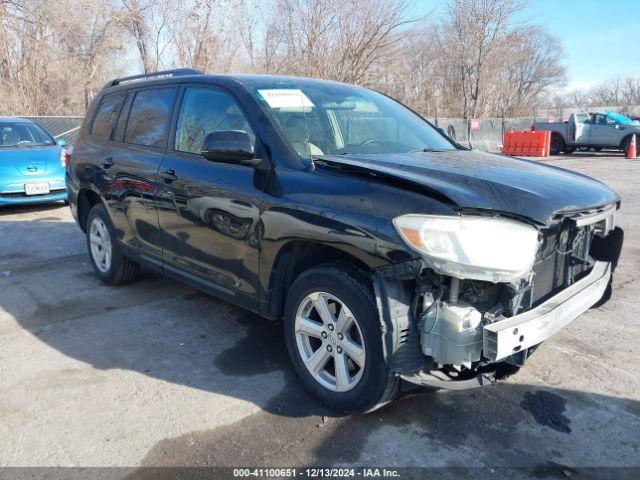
pixel 286 98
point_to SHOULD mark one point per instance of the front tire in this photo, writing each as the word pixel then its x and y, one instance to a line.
pixel 108 262
pixel 333 336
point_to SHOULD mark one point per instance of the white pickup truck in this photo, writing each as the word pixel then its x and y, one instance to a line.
pixel 591 130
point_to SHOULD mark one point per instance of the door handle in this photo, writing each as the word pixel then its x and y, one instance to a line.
pixel 169 175
pixel 108 162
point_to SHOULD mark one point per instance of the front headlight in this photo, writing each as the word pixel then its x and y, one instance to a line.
pixel 480 248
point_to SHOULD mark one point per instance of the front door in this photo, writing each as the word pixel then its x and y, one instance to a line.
pixel 209 212
pixel 603 131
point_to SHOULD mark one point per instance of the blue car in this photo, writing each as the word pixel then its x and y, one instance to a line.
pixel 32 164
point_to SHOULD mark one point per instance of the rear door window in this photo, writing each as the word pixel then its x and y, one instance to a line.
pixel 105 116
pixel 149 117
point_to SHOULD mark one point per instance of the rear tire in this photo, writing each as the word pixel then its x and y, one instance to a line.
pixel 557 144
pixel 348 336
pixel 108 262
pixel 626 144
pixel 568 150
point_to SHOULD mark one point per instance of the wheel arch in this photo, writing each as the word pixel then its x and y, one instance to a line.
pixel 557 143
pixel 87 198
pixel 559 135
pixel 297 256
pixel 627 138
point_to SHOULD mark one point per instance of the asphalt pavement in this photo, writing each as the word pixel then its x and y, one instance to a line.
pixel 156 374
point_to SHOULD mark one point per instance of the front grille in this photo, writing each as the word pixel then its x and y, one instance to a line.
pixel 24 195
pixel 565 255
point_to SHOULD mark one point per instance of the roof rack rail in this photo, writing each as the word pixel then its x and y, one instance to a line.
pixel 163 73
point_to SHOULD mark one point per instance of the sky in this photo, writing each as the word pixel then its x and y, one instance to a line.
pixel 601 38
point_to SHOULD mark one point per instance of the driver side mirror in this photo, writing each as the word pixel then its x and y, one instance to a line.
pixel 230 146
pixel 62 142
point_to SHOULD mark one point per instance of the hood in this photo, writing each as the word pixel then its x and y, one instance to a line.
pixel 30 161
pixel 475 180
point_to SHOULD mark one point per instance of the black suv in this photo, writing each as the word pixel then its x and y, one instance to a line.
pixel 394 255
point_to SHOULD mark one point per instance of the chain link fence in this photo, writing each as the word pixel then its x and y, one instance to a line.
pixel 484 134
pixel 60 127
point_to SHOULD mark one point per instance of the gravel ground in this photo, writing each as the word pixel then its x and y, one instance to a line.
pixel 157 374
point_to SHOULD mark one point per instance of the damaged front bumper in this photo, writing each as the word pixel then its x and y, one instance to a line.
pixel 437 334
pixel 512 335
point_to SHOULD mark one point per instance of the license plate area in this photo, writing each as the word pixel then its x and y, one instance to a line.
pixel 36 188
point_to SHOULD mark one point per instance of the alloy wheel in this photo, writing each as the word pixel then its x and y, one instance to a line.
pixel 330 341
pixel 100 243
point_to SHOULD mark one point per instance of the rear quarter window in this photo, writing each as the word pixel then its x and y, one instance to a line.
pixel 149 117
pixel 121 123
pixel 105 116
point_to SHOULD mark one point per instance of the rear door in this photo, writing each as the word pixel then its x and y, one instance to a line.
pixel 135 152
pixel 209 212
pixel 93 146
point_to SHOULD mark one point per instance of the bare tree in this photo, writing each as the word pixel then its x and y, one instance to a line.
pixel 259 27
pixel 133 19
pixel 456 67
pixel 206 36
pixel 471 37
pixel 27 76
pixel 478 62
pixel 47 62
pixel 89 39
pixel 534 65
pixel 414 78
pixel 195 39
pixel 149 24
pixel 616 94
pixel 336 39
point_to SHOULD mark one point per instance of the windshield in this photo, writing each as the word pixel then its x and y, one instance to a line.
pixel 619 118
pixel 331 119
pixel 22 134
